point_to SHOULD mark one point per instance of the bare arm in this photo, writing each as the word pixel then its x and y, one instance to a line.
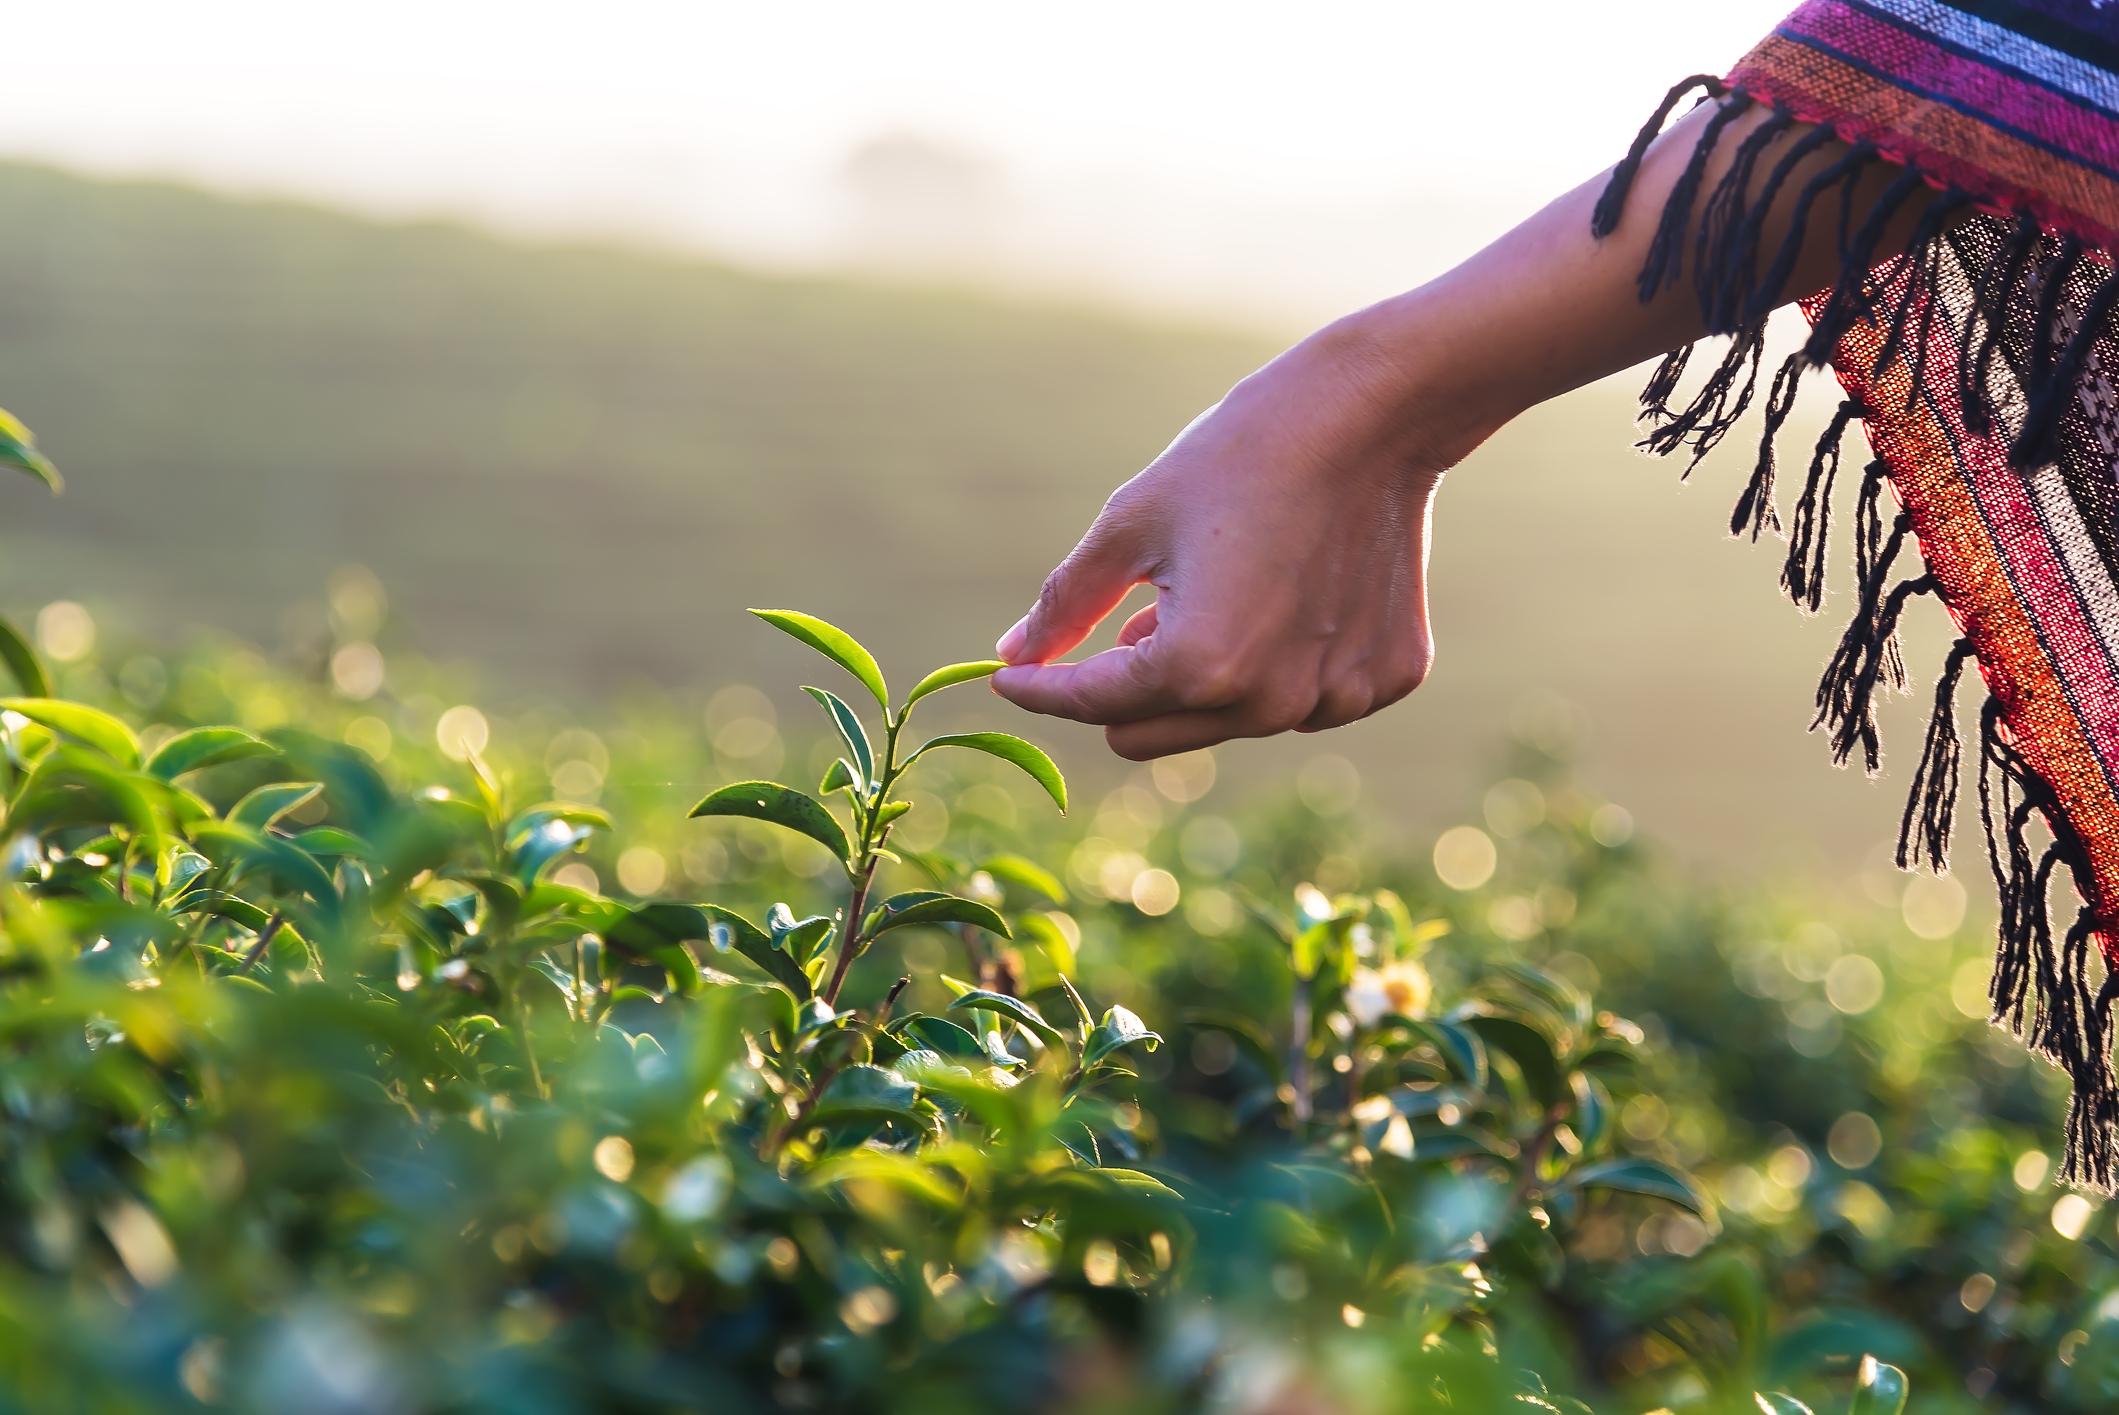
pixel 1286 529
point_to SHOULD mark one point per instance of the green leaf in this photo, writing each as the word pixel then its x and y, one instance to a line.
pixel 267 804
pixel 1014 750
pixel 84 724
pixel 203 747
pixel 926 906
pixel 727 930
pixel 1651 1178
pixel 890 813
pixel 656 933
pixel 19 449
pixel 939 1035
pixel 330 840
pixel 835 644
pixel 865 1092
pixel 1878 1389
pixel 1777 1403
pixel 1013 1008
pixel 1120 1028
pixel 837 777
pixel 1022 873
pixel 851 732
pixel 1528 1048
pixel 253 849
pixel 949 677
pixel 1461 1050
pixel 799 939
pixel 781 806
pixel 22 661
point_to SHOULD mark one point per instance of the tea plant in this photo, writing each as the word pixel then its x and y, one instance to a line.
pixel 326 1095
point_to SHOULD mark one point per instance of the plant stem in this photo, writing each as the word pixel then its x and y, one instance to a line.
pixel 1299 1055
pixel 522 1030
pixel 849 931
pixel 265 937
pixel 890 999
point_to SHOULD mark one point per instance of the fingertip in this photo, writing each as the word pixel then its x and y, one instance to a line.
pixel 1011 643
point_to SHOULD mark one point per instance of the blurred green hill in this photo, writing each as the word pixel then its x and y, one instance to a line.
pixel 576 466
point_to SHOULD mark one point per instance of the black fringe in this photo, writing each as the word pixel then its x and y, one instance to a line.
pixel 1755 507
pixel 1717 408
pixel 2041 992
pixel 1924 248
pixel 1666 252
pixel 1737 258
pixel 1984 322
pixel 2038 443
pixel 1803 573
pixel 1867 654
pixel 1931 806
pixel 2041 989
pixel 1605 219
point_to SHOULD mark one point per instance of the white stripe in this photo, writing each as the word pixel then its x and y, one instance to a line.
pixel 2082 79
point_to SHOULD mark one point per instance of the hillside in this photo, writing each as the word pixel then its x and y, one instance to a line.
pixel 576 466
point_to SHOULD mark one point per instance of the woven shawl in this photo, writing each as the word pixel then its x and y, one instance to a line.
pixel 1980 366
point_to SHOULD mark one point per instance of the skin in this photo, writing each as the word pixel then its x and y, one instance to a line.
pixel 1286 529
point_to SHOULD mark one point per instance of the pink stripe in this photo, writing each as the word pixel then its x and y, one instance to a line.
pixel 2078 653
pixel 1975 85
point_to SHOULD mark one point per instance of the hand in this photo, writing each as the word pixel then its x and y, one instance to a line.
pixel 1285 532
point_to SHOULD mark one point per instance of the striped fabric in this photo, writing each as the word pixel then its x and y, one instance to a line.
pixel 2016 104
pixel 1981 366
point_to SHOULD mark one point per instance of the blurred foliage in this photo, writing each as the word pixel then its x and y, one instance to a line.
pixel 384 1052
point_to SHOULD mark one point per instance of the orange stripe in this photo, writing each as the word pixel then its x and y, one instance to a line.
pixel 1961 553
pixel 1949 145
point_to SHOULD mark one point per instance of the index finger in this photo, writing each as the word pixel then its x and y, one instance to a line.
pixel 1118 685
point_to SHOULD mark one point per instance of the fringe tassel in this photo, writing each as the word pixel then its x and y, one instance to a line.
pixel 1867 654
pixel 1725 209
pixel 1851 297
pixel 1803 573
pixel 1717 408
pixel 2038 443
pixel 1660 270
pixel 1737 260
pixel 1605 219
pixel 1766 294
pixel 1925 248
pixel 1931 806
pixel 2041 992
pixel 1983 323
pixel 1755 507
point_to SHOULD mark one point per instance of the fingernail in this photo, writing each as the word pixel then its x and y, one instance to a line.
pixel 1012 642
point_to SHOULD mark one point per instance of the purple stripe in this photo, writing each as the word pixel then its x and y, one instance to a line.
pixel 1973 88
pixel 1978 87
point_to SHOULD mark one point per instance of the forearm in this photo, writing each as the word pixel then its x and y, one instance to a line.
pixel 1548 308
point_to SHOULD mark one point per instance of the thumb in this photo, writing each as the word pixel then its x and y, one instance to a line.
pixel 1088 585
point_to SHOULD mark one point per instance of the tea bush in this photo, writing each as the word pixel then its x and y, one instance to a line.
pixel 337 1081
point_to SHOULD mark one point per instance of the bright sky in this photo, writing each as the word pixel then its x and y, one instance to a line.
pixel 1277 160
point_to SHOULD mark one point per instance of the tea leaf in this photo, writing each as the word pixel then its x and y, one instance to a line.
pixel 1015 870
pixel 835 644
pixel 84 724
pixel 1014 750
pixel 1120 1028
pixel 1651 1178
pixel 781 806
pixel 203 747
pixel 727 929
pixel 19 449
pixel 22 661
pixel 926 906
pixel 863 1091
pixel 1013 1008
pixel 330 840
pixel 851 732
pixel 1878 1389
pixel 949 677
pixel 267 804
